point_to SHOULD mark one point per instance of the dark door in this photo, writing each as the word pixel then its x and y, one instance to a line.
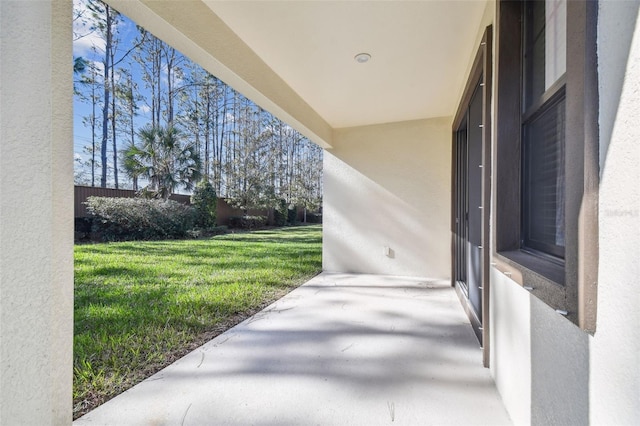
pixel 468 209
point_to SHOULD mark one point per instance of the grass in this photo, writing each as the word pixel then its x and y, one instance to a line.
pixel 141 305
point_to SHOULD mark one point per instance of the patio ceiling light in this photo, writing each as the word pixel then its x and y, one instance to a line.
pixel 361 58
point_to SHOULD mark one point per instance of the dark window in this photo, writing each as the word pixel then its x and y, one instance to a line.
pixel 544 180
pixel 546 151
pixel 534 51
pixel 543 127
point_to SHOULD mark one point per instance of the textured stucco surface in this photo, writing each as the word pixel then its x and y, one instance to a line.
pixel 615 348
pixel 511 346
pixel 36 227
pixel 569 376
pixel 389 185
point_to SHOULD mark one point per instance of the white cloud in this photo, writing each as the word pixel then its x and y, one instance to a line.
pixel 175 76
pixel 99 69
pixel 99 66
pixel 84 37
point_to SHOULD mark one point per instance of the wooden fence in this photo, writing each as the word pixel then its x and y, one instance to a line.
pixel 81 193
pixel 224 210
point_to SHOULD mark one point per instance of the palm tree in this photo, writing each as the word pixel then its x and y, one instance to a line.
pixel 165 159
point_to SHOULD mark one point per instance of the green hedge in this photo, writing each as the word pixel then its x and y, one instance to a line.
pixel 247 222
pixel 118 219
pixel 314 217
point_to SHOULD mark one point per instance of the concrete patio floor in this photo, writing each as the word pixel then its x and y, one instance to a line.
pixel 342 349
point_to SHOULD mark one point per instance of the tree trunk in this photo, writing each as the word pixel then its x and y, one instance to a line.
pixel 105 107
pixel 207 131
pixel 170 55
pixel 221 136
pixel 113 122
pixel 132 131
pixel 93 125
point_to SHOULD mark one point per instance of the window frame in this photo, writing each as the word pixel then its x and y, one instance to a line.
pixel 569 287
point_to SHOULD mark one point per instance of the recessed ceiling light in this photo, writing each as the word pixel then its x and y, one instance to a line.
pixel 361 58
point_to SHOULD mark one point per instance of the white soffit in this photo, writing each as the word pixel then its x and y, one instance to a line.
pixel 419 51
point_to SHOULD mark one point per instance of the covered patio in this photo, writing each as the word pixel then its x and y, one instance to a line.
pixel 341 349
pixel 560 334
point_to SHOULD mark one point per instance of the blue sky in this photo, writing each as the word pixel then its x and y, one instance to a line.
pixel 89 45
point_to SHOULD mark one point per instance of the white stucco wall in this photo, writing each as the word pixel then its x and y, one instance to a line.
pixel 389 185
pixel 511 346
pixel 615 348
pixel 36 210
pixel 547 370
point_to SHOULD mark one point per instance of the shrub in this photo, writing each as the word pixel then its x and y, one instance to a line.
pixel 247 222
pixel 204 201
pixel 280 213
pixel 82 228
pixel 139 218
pixel 83 224
pixel 314 217
pixel 292 215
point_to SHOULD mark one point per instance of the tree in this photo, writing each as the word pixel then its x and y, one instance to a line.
pixel 149 56
pixel 248 186
pixel 128 96
pixel 204 201
pixel 105 20
pixel 91 94
pixel 173 61
pixel 165 159
pixel 306 181
pixel 247 154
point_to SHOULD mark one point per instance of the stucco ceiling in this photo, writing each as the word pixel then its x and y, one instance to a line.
pixel 420 53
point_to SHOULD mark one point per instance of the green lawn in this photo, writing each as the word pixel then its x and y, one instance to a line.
pixel 141 305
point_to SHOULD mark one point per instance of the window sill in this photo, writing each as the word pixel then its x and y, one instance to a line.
pixel 545 268
pixel 544 278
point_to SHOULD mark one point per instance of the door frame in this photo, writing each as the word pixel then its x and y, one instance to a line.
pixel 482 66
